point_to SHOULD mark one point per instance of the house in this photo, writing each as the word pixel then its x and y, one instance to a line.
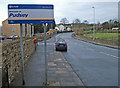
pixel 14 29
pixel 115 28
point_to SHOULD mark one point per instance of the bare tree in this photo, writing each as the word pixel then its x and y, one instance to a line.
pixel 64 21
pixel 76 21
pixel 85 22
pixel 98 25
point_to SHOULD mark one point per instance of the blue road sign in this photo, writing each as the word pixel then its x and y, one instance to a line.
pixel 30 13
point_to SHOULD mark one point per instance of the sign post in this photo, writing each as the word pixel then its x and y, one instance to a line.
pixel 31 14
pixel 22 56
pixel 45 49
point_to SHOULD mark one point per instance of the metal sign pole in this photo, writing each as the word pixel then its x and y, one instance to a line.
pixel 22 57
pixel 45 26
pixel 31 29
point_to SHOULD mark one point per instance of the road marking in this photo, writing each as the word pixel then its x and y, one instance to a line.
pixel 109 54
pixel 47 43
pixel 114 56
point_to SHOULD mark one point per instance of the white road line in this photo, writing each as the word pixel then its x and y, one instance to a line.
pixel 47 43
pixel 109 54
pixel 114 56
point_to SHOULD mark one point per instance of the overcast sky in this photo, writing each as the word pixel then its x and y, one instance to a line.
pixel 71 9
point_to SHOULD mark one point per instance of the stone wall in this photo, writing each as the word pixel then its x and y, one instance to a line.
pixel 11 55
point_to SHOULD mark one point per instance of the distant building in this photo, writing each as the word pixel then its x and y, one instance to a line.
pixel 14 29
pixel 61 28
pixel 115 28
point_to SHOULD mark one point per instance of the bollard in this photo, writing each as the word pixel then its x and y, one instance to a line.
pixel 35 42
pixel 7 75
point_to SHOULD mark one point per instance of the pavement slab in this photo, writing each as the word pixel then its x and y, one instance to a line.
pixel 60 73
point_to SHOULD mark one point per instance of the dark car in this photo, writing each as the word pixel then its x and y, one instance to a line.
pixel 61 45
pixel 2 37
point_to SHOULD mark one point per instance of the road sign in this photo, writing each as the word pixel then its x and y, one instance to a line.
pixel 27 14
pixel 30 13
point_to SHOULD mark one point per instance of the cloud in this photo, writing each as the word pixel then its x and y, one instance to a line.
pixel 71 9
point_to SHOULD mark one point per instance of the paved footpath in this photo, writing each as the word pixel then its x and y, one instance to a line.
pixel 60 73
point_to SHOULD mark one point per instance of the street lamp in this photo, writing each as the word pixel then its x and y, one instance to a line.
pixel 93 23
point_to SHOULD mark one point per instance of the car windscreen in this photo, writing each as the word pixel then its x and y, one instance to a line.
pixel 60 40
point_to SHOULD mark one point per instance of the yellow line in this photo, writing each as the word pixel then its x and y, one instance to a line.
pixel 30 19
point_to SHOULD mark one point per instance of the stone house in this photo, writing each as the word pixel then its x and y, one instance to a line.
pixel 14 29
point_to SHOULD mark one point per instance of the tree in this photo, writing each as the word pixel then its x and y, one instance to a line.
pixel 98 25
pixel 64 21
pixel 76 21
pixel 85 22
pixel 54 24
pixel 110 23
pixel 40 29
pixel 105 25
pixel 116 23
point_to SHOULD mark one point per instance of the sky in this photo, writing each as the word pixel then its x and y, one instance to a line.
pixel 71 9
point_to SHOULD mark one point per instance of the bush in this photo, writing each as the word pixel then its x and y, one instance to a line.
pixel 78 31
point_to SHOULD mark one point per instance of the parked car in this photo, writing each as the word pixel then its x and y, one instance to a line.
pixel 13 36
pixel 2 37
pixel 61 45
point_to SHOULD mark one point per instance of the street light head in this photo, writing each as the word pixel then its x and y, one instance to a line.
pixel 93 7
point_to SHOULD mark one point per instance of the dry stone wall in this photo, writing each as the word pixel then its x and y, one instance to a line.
pixel 11 55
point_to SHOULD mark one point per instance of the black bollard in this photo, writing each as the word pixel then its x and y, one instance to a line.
pixel 7 75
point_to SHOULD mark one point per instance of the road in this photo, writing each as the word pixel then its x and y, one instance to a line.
pixel 95 65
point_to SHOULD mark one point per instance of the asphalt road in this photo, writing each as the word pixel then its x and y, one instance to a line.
pixel 95 65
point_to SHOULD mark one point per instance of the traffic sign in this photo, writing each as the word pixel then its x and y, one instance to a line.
pixel 30 13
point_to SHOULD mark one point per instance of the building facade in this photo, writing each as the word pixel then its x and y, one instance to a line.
pixel 14 29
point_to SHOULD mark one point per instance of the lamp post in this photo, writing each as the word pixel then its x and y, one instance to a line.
pixel 93 23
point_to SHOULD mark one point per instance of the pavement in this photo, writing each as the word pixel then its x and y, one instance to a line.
pixel 34 71
pixel 59 72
